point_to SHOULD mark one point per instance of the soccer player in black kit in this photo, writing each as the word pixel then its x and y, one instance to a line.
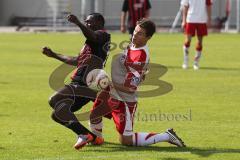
pixel 75 95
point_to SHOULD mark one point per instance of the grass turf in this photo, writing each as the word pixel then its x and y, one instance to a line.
pixel 208 98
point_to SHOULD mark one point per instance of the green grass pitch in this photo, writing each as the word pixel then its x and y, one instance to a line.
pixel 208 98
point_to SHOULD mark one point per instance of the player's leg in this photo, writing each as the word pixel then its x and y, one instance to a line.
pixel 145 139
pixel 186 47
pixel 201 32
pixel 189 33
pixel 101 108
pixel 62 103
pixel 124 125
pixel 198 53
pixel 84 95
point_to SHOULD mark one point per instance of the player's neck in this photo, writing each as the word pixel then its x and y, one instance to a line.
pixel 138 45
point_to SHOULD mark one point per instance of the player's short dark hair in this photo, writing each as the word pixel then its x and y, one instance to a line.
pixel 148 25
pixel 99 17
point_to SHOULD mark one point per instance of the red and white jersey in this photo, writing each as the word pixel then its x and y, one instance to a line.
pixel 197 11
pixel 128 69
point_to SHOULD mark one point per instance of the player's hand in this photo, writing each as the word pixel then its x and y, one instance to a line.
pixel 73 19
pixel 209 23
pixel 123 28
pixel 48 52
pixel 183 25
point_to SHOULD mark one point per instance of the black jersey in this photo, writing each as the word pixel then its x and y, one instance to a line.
pixel 92 56
pixel 136 10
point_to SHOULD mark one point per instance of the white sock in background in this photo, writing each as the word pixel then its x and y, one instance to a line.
pixel 197 57
pixel 185 54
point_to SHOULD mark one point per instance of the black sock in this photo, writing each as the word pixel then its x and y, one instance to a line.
pixel 78 128
pixel 65 117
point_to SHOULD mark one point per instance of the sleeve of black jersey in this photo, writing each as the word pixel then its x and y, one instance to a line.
pixel 148 5
pixel 102 37
pixel 125 6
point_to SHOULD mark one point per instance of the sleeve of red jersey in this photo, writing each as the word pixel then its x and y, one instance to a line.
pixel 208 2
pixel 135 66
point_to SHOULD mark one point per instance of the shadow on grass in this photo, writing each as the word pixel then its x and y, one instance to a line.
pixel 2 148
pixel 173 158
pixel 222 69
pixel 4 83
pixel 202 152
pixel 206 68
pixel 4 115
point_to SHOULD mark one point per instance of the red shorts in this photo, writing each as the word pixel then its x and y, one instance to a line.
pixel 192 28
pixel 121 112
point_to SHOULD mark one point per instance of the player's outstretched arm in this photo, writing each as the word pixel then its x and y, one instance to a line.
pixel 66 59
pixel 88 33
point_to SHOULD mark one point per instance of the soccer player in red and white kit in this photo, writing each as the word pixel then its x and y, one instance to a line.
pixel 196 19
pixel 119 100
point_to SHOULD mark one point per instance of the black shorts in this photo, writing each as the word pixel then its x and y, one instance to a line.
pixel 79 94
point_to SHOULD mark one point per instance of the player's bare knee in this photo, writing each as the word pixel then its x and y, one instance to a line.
pixel 199 46
pixel 126 140
pixel 187 43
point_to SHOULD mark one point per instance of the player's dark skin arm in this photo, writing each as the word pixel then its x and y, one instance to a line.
pixel 66 59
pixel 87 32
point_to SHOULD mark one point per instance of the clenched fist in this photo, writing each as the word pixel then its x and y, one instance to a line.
pixel 48 52
pixel 73 19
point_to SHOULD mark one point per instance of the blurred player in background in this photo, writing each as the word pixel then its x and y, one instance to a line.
pixel 75 95
pixel 196 19
pixel 136 10
pixel 120 98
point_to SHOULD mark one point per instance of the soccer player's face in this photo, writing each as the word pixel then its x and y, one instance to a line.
pixel 90 22
pixel 139 37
